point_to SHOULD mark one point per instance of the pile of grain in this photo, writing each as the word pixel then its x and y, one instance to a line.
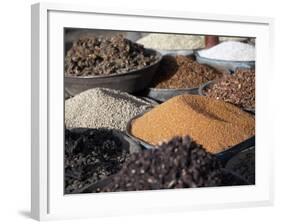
pixel 102 108
pixel 212 123
pixel 172 41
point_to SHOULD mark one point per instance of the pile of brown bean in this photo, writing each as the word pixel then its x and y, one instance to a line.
pixel 183 72
pixel 238 89
pixel 105 56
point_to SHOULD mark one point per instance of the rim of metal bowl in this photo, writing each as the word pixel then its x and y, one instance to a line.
pixel 173 90
pixel 128 131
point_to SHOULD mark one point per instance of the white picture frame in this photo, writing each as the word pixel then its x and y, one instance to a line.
pixel 48 201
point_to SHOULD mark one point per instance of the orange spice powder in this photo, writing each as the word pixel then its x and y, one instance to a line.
pixel 214 124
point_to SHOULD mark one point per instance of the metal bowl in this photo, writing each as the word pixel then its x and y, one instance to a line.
pixel 205 86
pixel 224 64
pixel 231 178
pixel 243 163
pixel 184 52
pixel 130 82
pixel 143 143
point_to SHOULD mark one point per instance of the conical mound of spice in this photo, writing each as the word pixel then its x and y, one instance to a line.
pixel 214 124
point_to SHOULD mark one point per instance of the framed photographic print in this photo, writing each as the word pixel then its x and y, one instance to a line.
pixel 148 111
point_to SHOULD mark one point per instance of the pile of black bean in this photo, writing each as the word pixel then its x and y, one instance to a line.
pixel 101 56
pixel 180 163
pixel 91 155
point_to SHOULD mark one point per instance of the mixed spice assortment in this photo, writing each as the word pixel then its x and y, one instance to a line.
pixel 183 72
pixel 179 138
pixel 214 124
pixel 101 56
pixel 238 89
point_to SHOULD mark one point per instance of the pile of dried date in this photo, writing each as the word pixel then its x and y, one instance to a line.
pixel 238 89
pixel 91 155
pixel 180 163
pixel 101 56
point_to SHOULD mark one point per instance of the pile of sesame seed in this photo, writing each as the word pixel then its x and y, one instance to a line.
pixel 102 108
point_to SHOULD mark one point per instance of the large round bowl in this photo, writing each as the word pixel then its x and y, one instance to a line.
pixel 243 164
pixel 131 82
pixel 223 65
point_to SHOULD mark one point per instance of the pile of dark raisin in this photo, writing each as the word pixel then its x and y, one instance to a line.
pixel 91 155
pixel 180 163
pixel 101 56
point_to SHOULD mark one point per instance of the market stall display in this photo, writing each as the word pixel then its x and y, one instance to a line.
pixel 118 138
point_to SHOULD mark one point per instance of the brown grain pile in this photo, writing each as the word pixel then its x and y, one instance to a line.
pixel 238 89
pixel 214 124
pixel 183 72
